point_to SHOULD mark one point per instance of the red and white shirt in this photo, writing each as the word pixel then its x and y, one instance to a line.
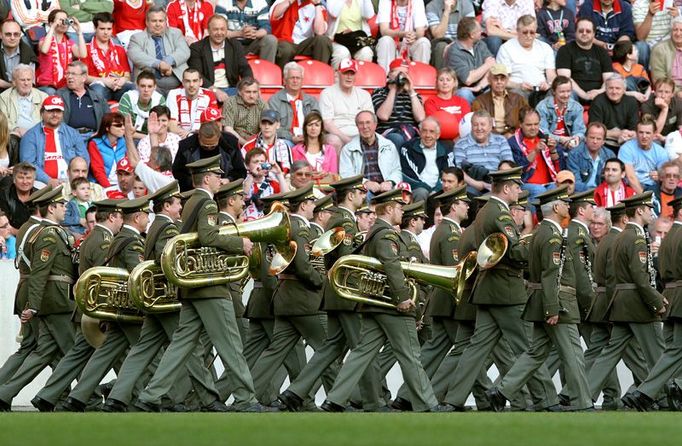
pixel 113 62
pixel 188 111
pixel 251 212
pixel 193 22
pixel 277 152
pixel 296 24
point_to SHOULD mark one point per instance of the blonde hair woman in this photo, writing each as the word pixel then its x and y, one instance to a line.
pixel 8 157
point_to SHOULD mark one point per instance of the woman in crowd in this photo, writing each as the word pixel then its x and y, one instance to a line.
pixel 322 157
pixel 556 23
pixel 129 18
pixel 56 51
pixel 446 99
pixel 637 82
pixel 106 149
pixel 348 29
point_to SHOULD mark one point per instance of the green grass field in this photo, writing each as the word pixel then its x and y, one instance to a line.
pixel 281 429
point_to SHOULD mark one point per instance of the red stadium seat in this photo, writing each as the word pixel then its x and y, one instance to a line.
pixel 423 75
pixel 268 74
pixel 449 127
pixel 370 75
pixel 316 76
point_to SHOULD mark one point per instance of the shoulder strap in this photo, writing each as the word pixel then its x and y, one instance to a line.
pixel 191 218
pixel 150 242
pixel 116 248
pixel 21 255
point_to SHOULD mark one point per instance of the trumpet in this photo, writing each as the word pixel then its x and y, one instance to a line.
pixel 492 250
pixel 150 292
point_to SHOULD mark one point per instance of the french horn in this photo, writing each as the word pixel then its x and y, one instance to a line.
pixel 149 290
pixel 492 250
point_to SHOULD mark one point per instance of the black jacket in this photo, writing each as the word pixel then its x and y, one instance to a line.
pixel 26 56
pixel 17 212
pixel 231 160
pixel 236 66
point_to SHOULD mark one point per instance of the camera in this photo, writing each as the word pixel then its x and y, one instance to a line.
pixel 265 166
pixel 67 22
pixel 400 80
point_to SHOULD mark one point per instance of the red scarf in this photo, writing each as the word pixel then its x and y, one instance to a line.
pixel 560 123
pixel 61 58
pixel 553 166
pixel 192 27
pixel 99 63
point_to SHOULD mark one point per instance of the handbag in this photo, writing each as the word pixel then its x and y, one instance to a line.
pixel 354 40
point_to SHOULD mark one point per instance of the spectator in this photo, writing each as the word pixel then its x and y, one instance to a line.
pixel 14 51
pixel 556 22
pixel 186 104
pixel 422 159
pixel 499 19
pixel 156 172
pixel 107 62
pixel 341 103
pixel 403 25
pixel 471 59
pixel 158 134
pixel 652 21
pixel 8 242
pixel 190 17
pixel 636 78
pixel 612 20
pixel 561 117
pixel 79 202
pixel 207 142
pixel 658 230
pixel 398 106
pixel 125 175
pixel 300 175
pixel 371 155
pixel 241 113
pixel 300 28
pixel 106 148
pixel 138 103
pixel 588 159
pixel 643 157
pixel 586 64
pixel 32 14
pixel 220 61
pixel 84 11
pixel 450 178
pixel 276 149
pixel 248 22
pixel 665 54
pixel 83 106
pixel 262 180
pixel 78 168
pixel 322 157
pixel 51 144
pixel 566 178
pixel 600 224
pixel 160 49
pixel 445 99
pixel 613 189
pixel 292 104
pixel 480 152
pixel 9 155
pixel 129 17
pixel 663 106
pixel 501 104
pixel 539 155
pixel 618 112
pixel 139 189
pixel 443 18
pixel 14 197
pixel 349 30
pixel 56 52
pixel 21 103
pixel 667 188
pixel 529 61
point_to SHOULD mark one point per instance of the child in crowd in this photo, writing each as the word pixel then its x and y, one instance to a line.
pixel 74 221
pixel 139 189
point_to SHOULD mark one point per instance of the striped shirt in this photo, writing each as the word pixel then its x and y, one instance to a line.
pixel 402 109
pixel 255 13
pixel 661 24
pixel 487 155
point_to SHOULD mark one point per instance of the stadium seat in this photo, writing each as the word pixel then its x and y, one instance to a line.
pixel 449 127
pixel 316 77
pixel 370 76
pixel 424 78
pixel 268 74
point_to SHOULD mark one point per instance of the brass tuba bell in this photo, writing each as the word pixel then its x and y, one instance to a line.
pixel 323 245
pixel 149 290
pixel 102 293
pixel 492 250
pixel 92 331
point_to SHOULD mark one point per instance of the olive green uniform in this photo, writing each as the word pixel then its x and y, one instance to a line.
pixel 382 324
pixel 633 307
pixel 500 296
pixel 552 292
pixel 49 289
pixel 206 308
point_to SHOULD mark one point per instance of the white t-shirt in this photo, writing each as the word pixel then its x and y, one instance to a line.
pixel 342 108
pixel 527 65
pixel 430 173
pixel 418 14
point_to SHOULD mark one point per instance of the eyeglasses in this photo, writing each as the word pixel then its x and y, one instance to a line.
pixel 671 175
pixel 12 34
pixel 304 174
pixel 117 124
pixel 529 32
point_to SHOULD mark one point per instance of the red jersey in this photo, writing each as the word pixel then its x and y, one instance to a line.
pixel 192 22
pixel 127 17
pixel 113 62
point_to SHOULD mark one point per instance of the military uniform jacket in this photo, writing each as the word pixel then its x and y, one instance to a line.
pixel 384 245
pixel 206 227
pixel 93 252
pixel 50 260
pixel 444 250
pixel 670 267
pixel 345 219
pixel 259 305
pixel 582 249
pixel 603 276
pixel 503 283
pixel 315 231
pixel 161 230
pixel 411 251
pixel 544 259
pixel 298 292
pixel 24 233
pixel 131 253
pixel 634 300
pixel 466 311
pixel 235 287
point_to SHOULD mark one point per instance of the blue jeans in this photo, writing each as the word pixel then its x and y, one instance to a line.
pixel 644 53
pixel 466 94
pixel 494 43
pixel 109 94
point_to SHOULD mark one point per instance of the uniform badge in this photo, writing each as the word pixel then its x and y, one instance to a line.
pixel 394 247
pixel 212 220
pixel 348 239
pixel 141 257
pixel 44 255
pixel 509 230
pixel 455 254
pixel 556 258
pixel 642 256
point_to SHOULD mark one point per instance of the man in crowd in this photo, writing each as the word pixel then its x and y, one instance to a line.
pixel 292 104
pixel 643 157
pixel 503 105
pixel 588 159
pixel 78 168
pixel 664 54
pixel 667 188
pixel 84 108
pixel 21 102
pixel 277 149
pixel 613 189
pixel 187 104
pixel 471 59
pixel 14 52
pixel 617 111
pixel 248 23
pixel 14 199
pixel 138 103
pixel 500 18
pixel 444 18
pixel 241 113
pixel 612 20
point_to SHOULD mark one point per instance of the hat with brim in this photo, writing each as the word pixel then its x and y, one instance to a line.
pixel 211 164
pixel 325 203
pixel 414 210
pixel 56 195
pixel 500 176
pixel 559 193
pixel 300 195
pixel 392 196
pixel 137 205
pixel 230 189
pixel 643 199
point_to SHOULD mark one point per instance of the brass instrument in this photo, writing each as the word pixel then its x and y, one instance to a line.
pixel 359 239
pixel 323 245
pixel 464 269
pixel 92 331
pixel 492 250
pixel 362 279
pixel 150 292
pixel 278 258
pixel 189 265
pixel 102 293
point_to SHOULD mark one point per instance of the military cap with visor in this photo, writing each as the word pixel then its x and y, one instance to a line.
pixel 211 164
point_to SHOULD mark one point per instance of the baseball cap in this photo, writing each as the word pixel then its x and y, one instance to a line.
pixel 397 63
pixel 53 103
pixel 348 64
pixel 124 166
pixel 211 114
pixel 270 116
pixel 499 68
pixel 565 175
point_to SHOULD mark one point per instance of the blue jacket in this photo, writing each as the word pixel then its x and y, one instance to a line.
pixel 72 218
pixel 32 148
pixel 573 118
pixel 413 161
pixel 580 163
pixel 616 24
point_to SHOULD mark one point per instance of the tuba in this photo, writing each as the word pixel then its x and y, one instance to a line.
pixel 362 279
pixel 323 245
pixel 277 257
pixel 187 264
pixel 150 292
pixel 102 293
pixel 92 331
pixel 492 250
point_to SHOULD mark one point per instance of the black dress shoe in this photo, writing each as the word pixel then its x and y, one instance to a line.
pixel 147 407
pixel 329 406
pixel 256 408
pixel 402 404
pixel 639 401
pixel 42 405
pixel 445 407
pixel 72 405
pixel 291 401
pixel 557 408
pixel 497 400
pixel 564 400
pixel 674 394
pixel 5 407
pixel 113 405
pixel 216 406
pixel 105 389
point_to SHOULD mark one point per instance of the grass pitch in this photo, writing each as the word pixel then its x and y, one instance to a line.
pixel 283 429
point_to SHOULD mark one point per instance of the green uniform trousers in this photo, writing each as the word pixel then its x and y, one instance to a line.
pixel 29 342
pixel 216 316
pixel 492 323
pixel 401 332
pixel 566 339
pixel 157 331
pixel 669 364
pixel 55 338
pixel 647 334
